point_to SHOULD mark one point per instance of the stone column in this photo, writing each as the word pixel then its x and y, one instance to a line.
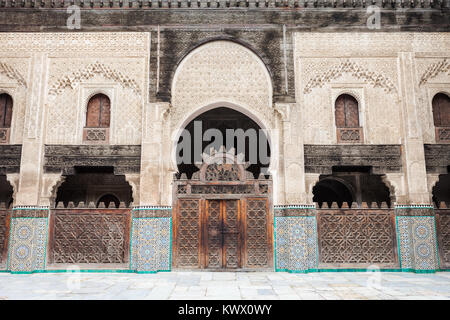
pixel 295 222
pixel 31 165
pixel 151 230
pixel 152 160
pixel 29 223
pixel 293 154
pixel 413 149
pixel 415 217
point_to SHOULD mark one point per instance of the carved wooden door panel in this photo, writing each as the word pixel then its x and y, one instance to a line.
pixel 231 234
pixel 213 235
pixel 188 234
pixel 222 234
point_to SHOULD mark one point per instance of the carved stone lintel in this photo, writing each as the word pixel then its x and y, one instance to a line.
pixel 382 158
pixel 437 157
pixel 64 158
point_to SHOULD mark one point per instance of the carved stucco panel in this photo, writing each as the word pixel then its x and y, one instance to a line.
pixel 433 75
pixel 72 83
pixel 221 71
pixel 14 73
pixel 380 107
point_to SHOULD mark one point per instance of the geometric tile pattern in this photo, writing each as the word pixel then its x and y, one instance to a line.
pixel 295 243
pixel 151 240
pixel 28 241
pixel 417 242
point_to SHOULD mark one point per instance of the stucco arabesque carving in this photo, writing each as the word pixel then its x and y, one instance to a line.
pixel 70 81
pixel 373 78
pixel 12 73
pixel 434 70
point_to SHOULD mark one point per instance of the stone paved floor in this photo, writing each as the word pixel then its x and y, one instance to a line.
pixel 226 285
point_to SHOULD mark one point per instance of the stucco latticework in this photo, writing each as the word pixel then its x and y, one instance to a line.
pixel 221 71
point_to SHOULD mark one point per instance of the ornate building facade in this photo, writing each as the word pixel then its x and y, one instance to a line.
pixel 356 122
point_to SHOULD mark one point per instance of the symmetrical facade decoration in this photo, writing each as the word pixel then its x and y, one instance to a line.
pixel 354 125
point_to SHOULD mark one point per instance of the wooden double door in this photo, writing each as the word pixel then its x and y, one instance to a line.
pixel 222 234
pixel 222 241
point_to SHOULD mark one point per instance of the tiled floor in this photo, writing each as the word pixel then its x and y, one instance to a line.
pixel 225 285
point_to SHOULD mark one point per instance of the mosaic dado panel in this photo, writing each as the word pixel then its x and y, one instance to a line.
pixel 151 235
pixel 295 240
pixel 28 241
pixel 64 158
pixel 417 239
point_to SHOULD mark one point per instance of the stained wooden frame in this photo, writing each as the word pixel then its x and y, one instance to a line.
pixel 96 211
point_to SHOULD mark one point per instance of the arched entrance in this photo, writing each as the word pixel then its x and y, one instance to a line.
pixel 222 194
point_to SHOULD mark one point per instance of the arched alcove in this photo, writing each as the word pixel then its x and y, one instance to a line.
pixel 6 191
pixel 331 190
pixel 94 184
pixel 441 190
pixel 351 184
pixel 247 136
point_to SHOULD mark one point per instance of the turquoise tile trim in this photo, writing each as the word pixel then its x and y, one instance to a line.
pixel 170 245
pixel 437 247
pixel 362 270
pixel 152 208
pixel 275 242
pixel 398 242
pixel 46 244
pixel 130 257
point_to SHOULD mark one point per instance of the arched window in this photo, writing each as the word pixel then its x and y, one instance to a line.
pixel 347 119
pixel 6 105
pixel 98 112
pixel 97 120
pixel 441 116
